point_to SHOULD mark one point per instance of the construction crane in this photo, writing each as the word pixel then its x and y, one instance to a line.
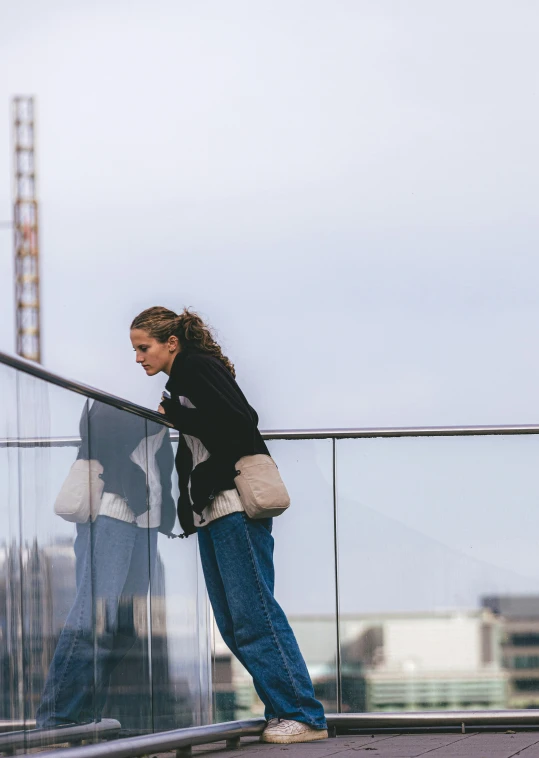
pixel 26 228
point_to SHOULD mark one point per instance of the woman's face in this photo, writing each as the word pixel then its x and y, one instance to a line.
pixel 153 356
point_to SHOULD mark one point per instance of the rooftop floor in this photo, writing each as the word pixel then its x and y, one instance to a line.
pixel 474 745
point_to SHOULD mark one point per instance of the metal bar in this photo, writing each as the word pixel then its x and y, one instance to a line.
pixel 45 737
pixel 40 442
pixel 344 721
pixel 146 744
pixel 131 747
pixel 8 725
pixel 300 434
pixel 39 372
pixel 417 431
pixel 34 369
pixel 336 565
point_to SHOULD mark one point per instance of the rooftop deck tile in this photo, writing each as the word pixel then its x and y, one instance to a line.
pixel 473 745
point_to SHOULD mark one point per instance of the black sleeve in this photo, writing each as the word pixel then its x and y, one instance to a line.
pixel 184 465
pixel 221 404
pixel 186 420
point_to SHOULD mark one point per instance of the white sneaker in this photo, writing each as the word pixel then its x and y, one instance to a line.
pixel 284 732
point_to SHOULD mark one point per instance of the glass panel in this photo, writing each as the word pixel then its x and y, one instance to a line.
pixel 180 641
pixel 11 659
pixel 47 556
pixel 305 580
pixel 140 657
pixel 305 558
pixel 34 489
pixel 439 574
pixel 120 548
pixel 180 638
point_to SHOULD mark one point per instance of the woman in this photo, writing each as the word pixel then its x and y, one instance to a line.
pixel 217 427
pixel 114 558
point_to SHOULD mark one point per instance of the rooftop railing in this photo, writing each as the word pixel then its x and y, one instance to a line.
pixel 407 566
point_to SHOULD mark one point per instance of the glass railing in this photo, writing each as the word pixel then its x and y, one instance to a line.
pixel 107 617
pixel 430 600
pixel 407 566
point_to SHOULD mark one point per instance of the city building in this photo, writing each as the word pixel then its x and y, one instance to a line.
pixel 519 619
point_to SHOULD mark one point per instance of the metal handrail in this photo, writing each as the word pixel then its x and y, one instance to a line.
pixel 162 742
pixel 405 431
pixel 36 370
pixel 39 372
pixel 39 738
pixel 232 731
pixel 316 434
pixel 403 720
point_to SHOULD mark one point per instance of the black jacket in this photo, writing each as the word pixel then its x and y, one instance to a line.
pixel 222 420
pixel 109 435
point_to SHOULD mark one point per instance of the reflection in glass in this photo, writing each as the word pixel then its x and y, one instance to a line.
pixel 11 659
pixel 81 635
pixel 107 625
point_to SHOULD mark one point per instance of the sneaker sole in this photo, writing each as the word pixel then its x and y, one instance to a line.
pixel 288 739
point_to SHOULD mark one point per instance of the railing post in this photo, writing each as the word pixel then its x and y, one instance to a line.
pixel 336 564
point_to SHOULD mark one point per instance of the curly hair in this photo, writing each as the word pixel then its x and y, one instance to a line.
pixel 188 327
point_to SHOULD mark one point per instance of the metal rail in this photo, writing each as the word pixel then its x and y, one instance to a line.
pixel 34 369
pixel 310 434
pixel 232 731
pixel 428 719
pixel 9 725
pixel 148 744
pixel 38 738
pixel 406 431
pixel 39 372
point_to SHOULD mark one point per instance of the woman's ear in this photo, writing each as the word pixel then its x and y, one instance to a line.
pixel 173 343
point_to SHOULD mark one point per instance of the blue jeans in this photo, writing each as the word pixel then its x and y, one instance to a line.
pixel 113 565
pixel 237 559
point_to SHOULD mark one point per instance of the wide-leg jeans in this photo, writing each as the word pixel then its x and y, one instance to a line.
pixel 237 558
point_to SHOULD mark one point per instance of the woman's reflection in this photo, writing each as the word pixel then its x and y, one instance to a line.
pixel 115 555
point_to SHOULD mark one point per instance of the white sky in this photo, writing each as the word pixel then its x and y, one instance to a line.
pixel 346 189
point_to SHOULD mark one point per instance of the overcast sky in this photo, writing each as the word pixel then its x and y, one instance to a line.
pixel 346 189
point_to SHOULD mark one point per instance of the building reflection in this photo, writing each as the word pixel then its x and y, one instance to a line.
pixel 519 617
pixel 32 615
pixel 450 660
pixel 484 658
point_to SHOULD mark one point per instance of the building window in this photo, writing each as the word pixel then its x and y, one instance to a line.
pixel 525 639
pixel 526 685
pixel 526 662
